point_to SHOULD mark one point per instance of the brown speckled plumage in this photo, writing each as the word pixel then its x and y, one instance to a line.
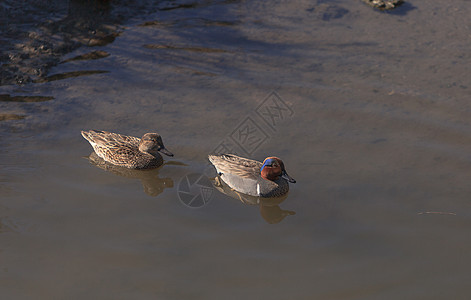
pixel 127 151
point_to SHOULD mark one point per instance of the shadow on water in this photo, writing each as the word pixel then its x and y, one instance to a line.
pixel 8 117
pixel 192 49
pixel 190 22
pixel 177 6
pixel 220 48
pixel 8 98
pixel 96 23
pixel 33 41
pixel 72 74
pixel 402 10
pixel 172 5
pixel 328 11
pixel 152 183
pixel 88 56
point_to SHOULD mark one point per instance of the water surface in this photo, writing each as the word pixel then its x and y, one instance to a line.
pixel 374 127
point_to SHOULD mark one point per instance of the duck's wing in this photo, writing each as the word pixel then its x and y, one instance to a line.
pixel 105 138
pixel 236 165
pixel 117 153
pixel 125 139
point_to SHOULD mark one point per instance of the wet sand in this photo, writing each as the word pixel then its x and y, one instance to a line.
pixel 375 129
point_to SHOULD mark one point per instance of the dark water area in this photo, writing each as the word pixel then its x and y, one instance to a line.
pixel 369 110
pixel 36 34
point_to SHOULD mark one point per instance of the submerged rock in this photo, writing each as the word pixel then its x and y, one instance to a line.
pixel 326 12
pixel 36 34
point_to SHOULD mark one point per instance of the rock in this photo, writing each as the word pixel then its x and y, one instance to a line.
pixel 384 4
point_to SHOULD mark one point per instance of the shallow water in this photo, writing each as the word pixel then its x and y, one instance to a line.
pixel 369 112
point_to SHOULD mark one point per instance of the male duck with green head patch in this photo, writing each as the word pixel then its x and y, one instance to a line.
pixel 268 179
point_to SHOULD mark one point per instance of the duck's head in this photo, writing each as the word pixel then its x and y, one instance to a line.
pixel 273 168
pixel 151 143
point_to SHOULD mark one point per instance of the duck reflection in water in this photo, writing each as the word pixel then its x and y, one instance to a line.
pixel 152 183
pixel 269 207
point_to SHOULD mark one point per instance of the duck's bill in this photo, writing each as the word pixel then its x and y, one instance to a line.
pixel 287 177
pixel 166 152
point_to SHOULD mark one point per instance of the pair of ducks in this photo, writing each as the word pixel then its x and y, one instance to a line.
pixel 267 179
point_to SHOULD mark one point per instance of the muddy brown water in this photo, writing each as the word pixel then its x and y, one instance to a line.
pixel 370 112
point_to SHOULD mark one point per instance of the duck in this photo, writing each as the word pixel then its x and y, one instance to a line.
pixel 128 151
pixel 265 179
